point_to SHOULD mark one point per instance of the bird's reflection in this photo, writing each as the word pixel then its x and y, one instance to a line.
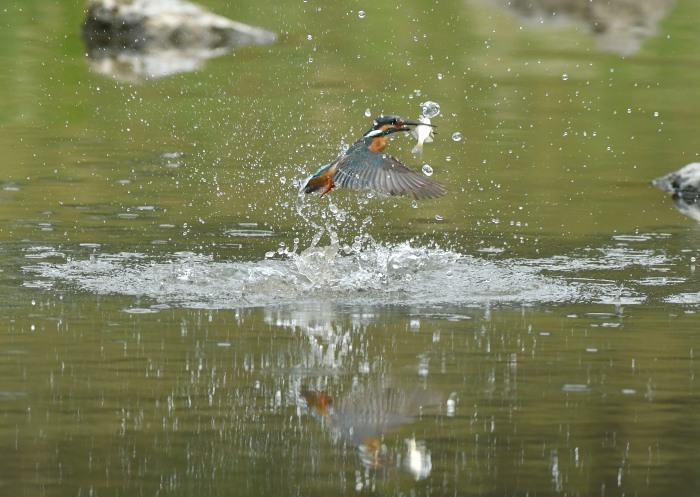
pixel 332 336
pixel 367 414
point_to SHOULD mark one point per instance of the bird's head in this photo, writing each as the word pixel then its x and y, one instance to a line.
pixel 386 125
pixel 376 136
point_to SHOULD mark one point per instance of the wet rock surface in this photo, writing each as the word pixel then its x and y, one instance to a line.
pixel 620 26
pixel 143 39
pixel 684 184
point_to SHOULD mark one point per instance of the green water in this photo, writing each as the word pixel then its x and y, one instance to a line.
pixel 162 316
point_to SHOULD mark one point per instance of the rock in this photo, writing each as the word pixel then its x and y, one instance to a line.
pixel 619 25
pixel 139 39
pixel 684 184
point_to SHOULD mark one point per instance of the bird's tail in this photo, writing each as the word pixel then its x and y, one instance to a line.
pixel 314 183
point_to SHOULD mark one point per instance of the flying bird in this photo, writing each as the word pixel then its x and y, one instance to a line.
pixel 365 166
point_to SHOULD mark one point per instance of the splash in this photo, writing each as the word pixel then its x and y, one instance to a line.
pixel 301 207
pixel 332 218
pixel 377 275
pixel 430 109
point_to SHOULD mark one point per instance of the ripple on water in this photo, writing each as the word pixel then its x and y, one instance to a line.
pixel 684 298
pixel 382 275
pixel 576 388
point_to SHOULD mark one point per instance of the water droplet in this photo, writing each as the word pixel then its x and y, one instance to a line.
pixel 368 113
pixel 564 76
pixel 283 180
pixel 439 75
pixel 427 170
pixel 457 136
pixel 656 114
pixel 451 404
pixel 309 37
pixel 414 204
pixel 361 14
pixel 430 109
pixel 438 217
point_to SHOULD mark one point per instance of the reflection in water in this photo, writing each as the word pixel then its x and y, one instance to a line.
pixel 330 344
pixel 143 39
pixel 684 184
pixel 619 25
pixel 550 401
pixel 362 418
pixel 365 416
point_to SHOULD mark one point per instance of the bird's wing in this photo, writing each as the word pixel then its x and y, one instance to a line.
pixel 367 170
pixel 318 180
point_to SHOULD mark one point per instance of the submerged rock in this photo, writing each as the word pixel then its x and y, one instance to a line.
pixel 139 39
pixel 620 26
pixel 684 184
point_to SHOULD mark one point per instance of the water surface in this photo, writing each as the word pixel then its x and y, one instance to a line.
pixel 176 323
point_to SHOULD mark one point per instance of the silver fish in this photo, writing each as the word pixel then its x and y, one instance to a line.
pixel 424 134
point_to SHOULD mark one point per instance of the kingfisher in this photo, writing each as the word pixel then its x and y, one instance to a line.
pixel 365 166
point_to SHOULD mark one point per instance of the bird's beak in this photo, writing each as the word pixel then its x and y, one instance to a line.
pixel 413 122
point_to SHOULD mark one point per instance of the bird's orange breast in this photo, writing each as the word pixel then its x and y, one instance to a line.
pixel 378 144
